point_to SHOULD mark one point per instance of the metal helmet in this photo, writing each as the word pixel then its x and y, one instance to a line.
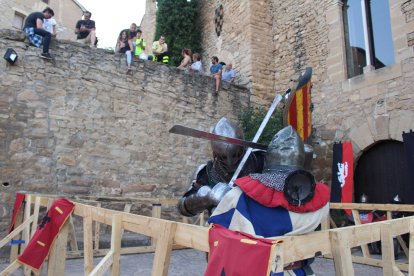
pixel 286 149
pixel 227 155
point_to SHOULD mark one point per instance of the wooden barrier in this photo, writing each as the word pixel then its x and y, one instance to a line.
pixel 336 242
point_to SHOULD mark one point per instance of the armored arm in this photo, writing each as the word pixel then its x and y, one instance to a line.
pixel 200 196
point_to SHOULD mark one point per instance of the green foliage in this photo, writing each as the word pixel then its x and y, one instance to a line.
pixel 178 20
pixel 251 118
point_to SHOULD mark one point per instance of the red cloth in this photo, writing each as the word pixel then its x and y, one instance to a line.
pixel 18 203
pixel 272 198
pixel 39 246
pixel 236 253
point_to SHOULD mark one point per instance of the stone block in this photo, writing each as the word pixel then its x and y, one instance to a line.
pixel 66 160
pixel 137 188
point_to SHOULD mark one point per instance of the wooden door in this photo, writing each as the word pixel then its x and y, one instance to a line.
pixel 382 172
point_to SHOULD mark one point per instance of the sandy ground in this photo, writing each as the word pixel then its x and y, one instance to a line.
pixel 189 262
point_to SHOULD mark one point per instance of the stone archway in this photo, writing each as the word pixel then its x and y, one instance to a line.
pixel 381 173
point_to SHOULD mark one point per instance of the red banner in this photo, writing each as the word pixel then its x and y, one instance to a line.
pixel 237 253
pixel 18 203
pixel 39 246
pixel 342 188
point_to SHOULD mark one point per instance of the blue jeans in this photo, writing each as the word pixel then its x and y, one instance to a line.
pixel 46 38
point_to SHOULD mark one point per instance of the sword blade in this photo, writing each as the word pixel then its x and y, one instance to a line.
pixel 269 113
pixel 187 131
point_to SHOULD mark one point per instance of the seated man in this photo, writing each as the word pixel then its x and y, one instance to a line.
pixel 85 30
pixel 215 72
pixel 228 73
pixel 33 27
pixel 160 50
pixel 141 46
pixel 283 200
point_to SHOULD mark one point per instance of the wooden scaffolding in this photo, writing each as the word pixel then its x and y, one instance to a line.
pixel 167 235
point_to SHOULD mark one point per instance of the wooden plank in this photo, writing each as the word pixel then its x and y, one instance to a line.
pixel 325 223
pixel 387 249
pixel 35 216
pixel 163 250
pixel 14 251
pixel 370 207
pixel 116 238
pixel 72 235
pixel 372 262
pixel 411 249
pixel 26 231
pixel 332 222
pixel 97 231
pixel 10 269
pixel 404 247
pixel 156 213
pixel 123 251
pixel 87 242
pixel 342 254
pixel 357 220
pixel 57 257
pixel 15 232
pixel 278 264
pixel 127 209
pixel 202 219
pixel 192 236
pixel 103 265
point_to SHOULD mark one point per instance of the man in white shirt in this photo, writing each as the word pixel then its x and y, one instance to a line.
pixel 228 74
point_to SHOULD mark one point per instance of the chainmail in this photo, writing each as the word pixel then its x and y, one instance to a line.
pixel 217 173
pixel 274 180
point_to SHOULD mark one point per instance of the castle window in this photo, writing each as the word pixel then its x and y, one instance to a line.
pixel 45 1
pixel 18 20
pixel 368 36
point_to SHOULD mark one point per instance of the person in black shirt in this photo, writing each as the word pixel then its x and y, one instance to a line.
pixel 85 29
pixel 33 27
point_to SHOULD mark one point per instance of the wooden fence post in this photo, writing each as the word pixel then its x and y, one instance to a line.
pixel 163 249
pixel 57 257
pixel 97 230
pixel 87 242
pixel 14 251
pixel 364 247
pixel 116 238
pixel 341 254
pixel 156 213
pixel 411 249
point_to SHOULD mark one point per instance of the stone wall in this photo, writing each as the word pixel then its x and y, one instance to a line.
pixel 245 41
pixel 148 23
pixel 67 13
pixel 273 41
pixel 81 125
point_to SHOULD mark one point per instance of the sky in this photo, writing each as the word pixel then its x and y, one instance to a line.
pixel 113 16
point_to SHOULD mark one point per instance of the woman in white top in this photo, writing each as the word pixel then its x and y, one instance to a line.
pixel 186 62
pixel 197 65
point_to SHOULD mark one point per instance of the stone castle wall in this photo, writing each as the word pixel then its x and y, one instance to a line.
pixel 245 41
pixel 272 42
pixel 81 125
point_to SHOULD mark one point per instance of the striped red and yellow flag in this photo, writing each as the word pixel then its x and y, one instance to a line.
pixel 298 110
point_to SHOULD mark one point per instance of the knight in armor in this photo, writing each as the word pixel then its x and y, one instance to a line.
pixel 282 200
pixel 209 181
